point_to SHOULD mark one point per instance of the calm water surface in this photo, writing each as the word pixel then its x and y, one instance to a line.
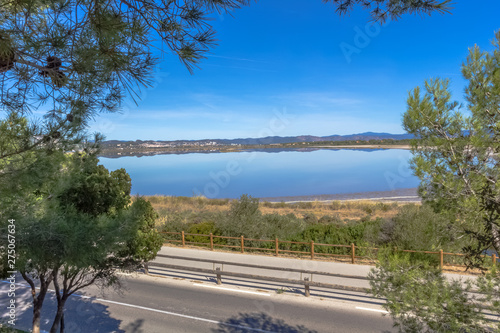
pixel 264 174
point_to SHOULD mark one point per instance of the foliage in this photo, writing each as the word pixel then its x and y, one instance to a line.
pixel 6 329
pixel 146 241
pixel 489 285
pixel 414 227
pixel 418 227
pixel 456 154
pixel 74 243
pixel 244 217
pixel 421 299
pixel 75 59
pixel 456 158
pixel 94 190
pixel 336 233
pixel 203 228
pixel 381 10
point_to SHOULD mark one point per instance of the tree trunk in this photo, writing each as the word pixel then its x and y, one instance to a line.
pixel 59 319
pixel 37 299
pixel 37 307
pixel 495 233
pixel 62 324
pixel 35 326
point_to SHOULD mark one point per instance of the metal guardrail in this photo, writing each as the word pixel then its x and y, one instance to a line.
pixel 294 270
pixel 218 272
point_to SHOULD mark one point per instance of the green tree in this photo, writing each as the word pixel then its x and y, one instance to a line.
pixel 419 298
pixel 456 153
pixel 74 243
pixel 75 59
pixel 456 158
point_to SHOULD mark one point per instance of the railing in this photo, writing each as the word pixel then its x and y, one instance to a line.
pixel 307 282
pixel 279 246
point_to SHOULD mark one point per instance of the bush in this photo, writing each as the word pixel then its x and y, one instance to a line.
pixel 382 207
pixel 172 223
pixel 204 228
pixel 310 218
pixel 340 234
pixel 244 218
pixel 336 205
pixel 281 226
pixel 419 228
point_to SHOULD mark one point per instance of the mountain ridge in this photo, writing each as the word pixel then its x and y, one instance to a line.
pixel 366 136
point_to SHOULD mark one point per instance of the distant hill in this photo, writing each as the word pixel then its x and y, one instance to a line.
pixel 310 138
pixel 280 139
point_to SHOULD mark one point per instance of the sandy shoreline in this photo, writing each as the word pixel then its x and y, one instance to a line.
pixel 366 147
pixel 399 195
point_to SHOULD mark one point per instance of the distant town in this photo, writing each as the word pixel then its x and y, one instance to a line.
pixel 115 148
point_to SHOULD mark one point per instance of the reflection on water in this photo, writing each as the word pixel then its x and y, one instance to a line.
pixel 262 174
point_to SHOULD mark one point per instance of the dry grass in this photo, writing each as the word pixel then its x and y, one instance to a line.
pixel 341 210
pixel 180 204
pixel 338 210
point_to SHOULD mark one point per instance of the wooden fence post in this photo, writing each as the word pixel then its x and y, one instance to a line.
pixel 312 249
pixel 276 246
pixel 353 253
pixel 211 242
pixel 242 244
pixel 494 259
pixel 441 259
pixel 183 239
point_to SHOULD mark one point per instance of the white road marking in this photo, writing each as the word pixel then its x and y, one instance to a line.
pixel 162 311
pixel 229 289
pixel 368 309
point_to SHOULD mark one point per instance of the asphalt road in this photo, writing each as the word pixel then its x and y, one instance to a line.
pixel 179 304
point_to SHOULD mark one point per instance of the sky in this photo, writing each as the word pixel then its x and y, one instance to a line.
pixel 295 67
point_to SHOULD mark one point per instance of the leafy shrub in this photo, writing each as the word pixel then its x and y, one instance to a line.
pixel 204 228
pixel 368 210
pixel 281 226
pixel 418 227
pixel 341 234
pixel 310 218
pixel 382 207
pixel 336 205
pixel 244 218
pixel 173 223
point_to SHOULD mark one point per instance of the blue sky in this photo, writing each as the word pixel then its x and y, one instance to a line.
pixel 294 67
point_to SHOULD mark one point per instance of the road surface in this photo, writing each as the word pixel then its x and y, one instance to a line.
pixel 151 304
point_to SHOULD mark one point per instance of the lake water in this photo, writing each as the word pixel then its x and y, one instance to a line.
pixel 266 174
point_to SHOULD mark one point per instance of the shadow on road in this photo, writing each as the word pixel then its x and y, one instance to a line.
pixel 81 315
pixel 259 322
